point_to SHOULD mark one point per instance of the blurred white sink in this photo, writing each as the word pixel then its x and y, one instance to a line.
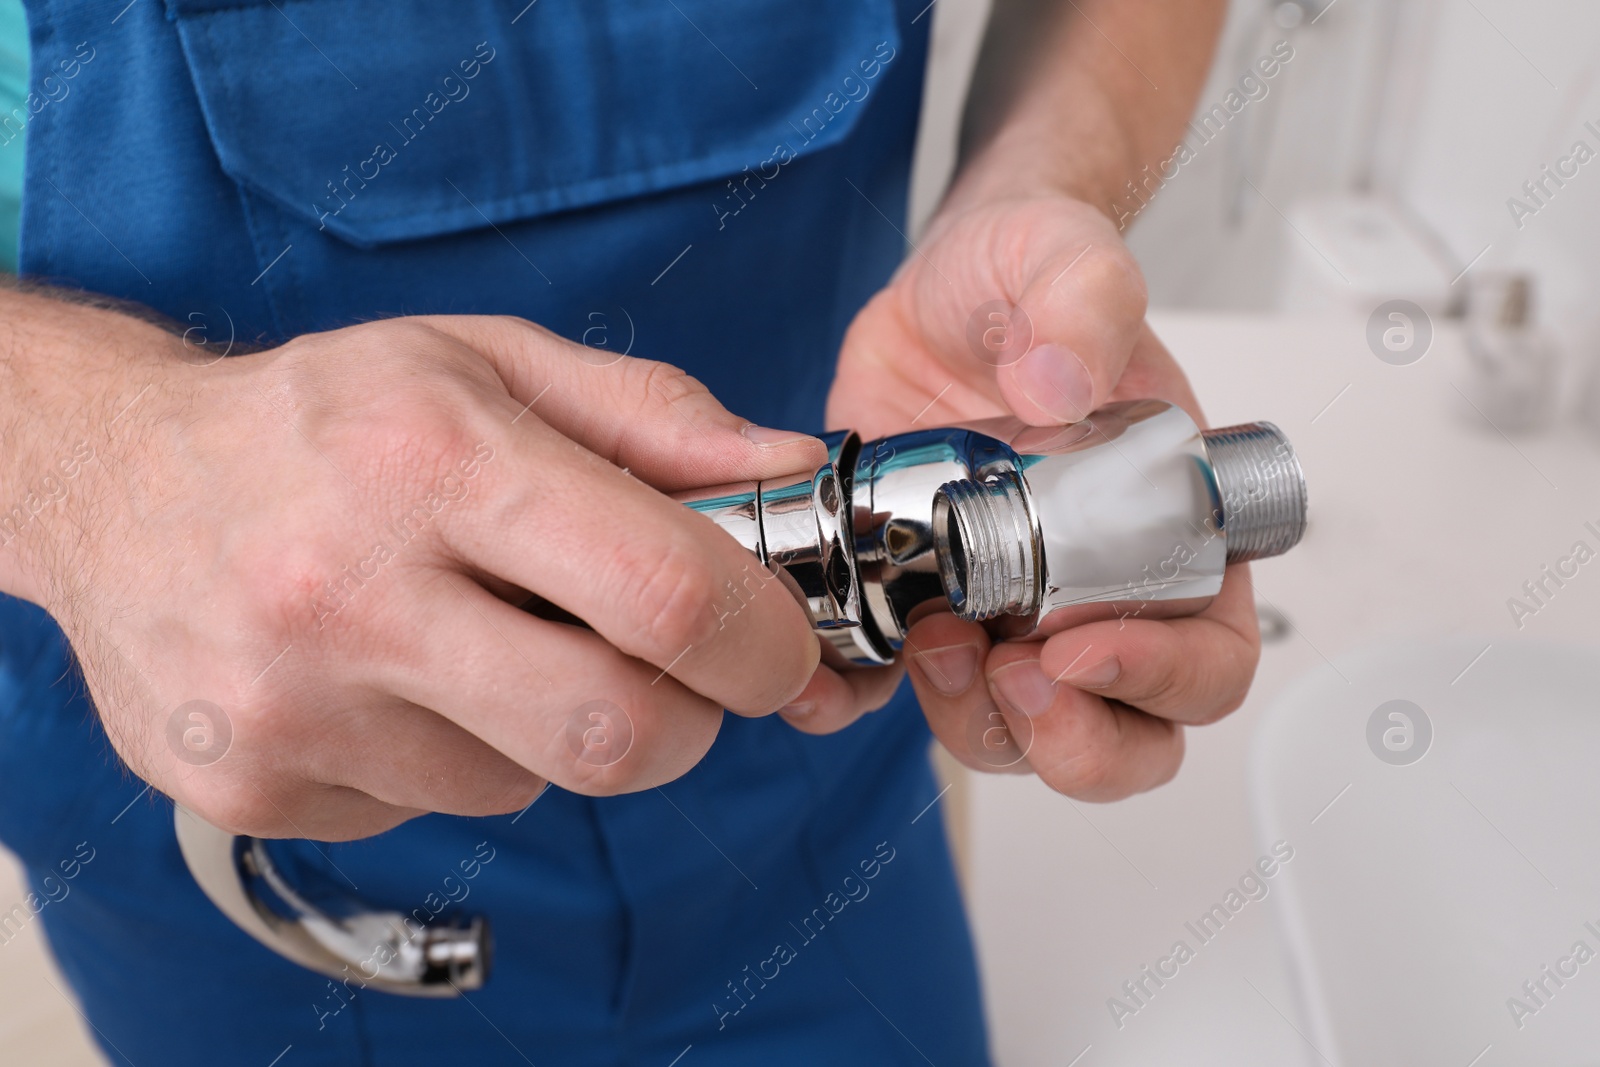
pixel 1440 868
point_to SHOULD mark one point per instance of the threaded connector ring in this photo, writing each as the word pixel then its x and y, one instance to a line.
pixel 1262 487
pixel 985 543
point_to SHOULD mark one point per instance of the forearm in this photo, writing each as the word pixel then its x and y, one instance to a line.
pixel 69 371
pixel 1078 96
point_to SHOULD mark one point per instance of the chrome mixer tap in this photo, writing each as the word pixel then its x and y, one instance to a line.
pixel 1018 524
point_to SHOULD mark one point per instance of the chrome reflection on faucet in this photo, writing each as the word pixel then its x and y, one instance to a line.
pixel 1135 510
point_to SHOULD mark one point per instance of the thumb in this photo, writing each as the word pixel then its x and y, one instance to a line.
pixel 1075 324
pixel 651 418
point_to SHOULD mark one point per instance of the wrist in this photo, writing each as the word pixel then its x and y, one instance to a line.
pixel 1028 160
pixel 1062 109
pixel 72 378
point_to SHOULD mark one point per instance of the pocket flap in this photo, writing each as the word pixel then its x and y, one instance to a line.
pixel 391 120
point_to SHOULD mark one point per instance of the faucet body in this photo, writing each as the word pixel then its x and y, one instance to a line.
pixel 1133 507
pixel 1023 527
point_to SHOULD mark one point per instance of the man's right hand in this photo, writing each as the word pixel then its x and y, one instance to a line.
pixel 326 542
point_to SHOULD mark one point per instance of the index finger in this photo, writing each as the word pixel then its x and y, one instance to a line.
pixel 657 580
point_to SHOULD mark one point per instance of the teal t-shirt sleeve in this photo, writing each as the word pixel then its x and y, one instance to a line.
pixel 13 124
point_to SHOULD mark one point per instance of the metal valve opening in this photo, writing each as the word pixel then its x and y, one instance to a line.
pixel 986 547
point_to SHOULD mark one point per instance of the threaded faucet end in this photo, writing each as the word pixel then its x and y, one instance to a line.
pixel 1262 487
pixel 984 537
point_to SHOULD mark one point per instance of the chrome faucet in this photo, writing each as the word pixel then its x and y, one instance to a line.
pixel 1018 524
pixel 1135 510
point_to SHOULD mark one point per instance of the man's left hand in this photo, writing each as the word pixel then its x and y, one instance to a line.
pixel 1034 307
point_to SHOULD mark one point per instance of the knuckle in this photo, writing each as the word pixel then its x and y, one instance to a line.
pixel 265 727
pixel 1217 711
pixel 1232 703
pixel 674 733
pixel 1167 772
pixel 673 597
pixel 670 403
pixel 402 336
pixel 425 429
pixel 1089 773
pixel 517 322
pixel 291 594
pixel 1113 275
pixel 528 331
pixel 651 393
pixel 239 806
pixel 600 781
pixel 506 797
pixel 279 591
pixel 1171 688
pixel 402 439
pixel 1229 680
pixel 662 384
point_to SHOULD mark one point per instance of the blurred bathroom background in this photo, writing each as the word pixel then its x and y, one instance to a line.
pixel 1378 162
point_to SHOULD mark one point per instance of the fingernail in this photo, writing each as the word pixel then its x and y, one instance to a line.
pixel 1096 675
pixel 1056 380
pixel 1024 686
pixel 949 670
pixel 767 437
pixel 800 710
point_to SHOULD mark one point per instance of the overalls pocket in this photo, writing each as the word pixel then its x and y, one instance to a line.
pixel 394 120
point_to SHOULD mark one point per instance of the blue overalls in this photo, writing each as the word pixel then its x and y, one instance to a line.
pixel 702 180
